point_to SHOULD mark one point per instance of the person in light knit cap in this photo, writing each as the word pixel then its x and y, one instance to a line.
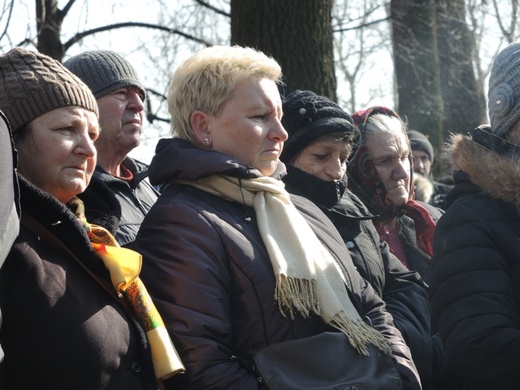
pixel 423 157
pixel 120 97
pixel 64 325
pixel 475 278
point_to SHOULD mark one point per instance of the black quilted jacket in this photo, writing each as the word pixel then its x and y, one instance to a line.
pixel 475 280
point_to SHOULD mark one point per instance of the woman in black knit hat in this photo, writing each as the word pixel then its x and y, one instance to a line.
pixel 322 136
pixel 69 294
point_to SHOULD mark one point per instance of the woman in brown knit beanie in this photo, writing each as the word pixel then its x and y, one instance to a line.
pixel 64 326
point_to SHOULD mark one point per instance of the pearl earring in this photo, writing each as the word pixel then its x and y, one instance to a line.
pixel 206 141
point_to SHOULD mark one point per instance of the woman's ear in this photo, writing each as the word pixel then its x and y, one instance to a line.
pixel 199 121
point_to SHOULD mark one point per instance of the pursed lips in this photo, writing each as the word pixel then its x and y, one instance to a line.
pixel 81 167
pixel 137 120
pixel 398 185
pixel 276 149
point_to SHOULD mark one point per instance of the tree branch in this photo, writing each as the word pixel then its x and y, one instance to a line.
pixel 83 34
pixel 67 7
pixel 360 26
pixel 214 9
pixel 8 22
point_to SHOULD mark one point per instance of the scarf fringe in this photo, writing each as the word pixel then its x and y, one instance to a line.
pixel 358 334
pixel 300 295
pixel 308 279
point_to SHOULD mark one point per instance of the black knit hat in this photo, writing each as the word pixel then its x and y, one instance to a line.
pixel 308 117
pixel 418 141
pixel 32 84
pixel 104 71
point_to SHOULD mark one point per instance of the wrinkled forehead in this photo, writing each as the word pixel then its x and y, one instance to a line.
pixel 387 142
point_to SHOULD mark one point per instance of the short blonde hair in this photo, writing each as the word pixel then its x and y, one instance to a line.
pixel 208 79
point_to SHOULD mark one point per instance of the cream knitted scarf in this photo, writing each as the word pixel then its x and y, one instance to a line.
pixel 308 279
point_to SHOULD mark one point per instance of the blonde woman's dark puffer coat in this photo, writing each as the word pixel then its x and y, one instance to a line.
pixel 208 271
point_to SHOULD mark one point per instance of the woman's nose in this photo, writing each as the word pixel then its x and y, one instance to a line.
pixel 335 169
pixel 402 170
pixel 86 146
pixel 278 132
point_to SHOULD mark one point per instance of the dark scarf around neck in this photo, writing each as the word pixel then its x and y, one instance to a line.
pixel 321 192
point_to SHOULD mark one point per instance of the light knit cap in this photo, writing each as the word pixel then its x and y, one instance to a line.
pixel 32 84
pixel 103 71
pixel 504 90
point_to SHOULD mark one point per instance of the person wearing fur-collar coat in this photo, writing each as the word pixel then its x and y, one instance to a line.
pixel 475 277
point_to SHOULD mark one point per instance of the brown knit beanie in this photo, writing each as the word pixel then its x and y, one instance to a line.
pixel 32 84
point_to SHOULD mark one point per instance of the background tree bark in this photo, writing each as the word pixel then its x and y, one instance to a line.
pixel 463 97
pixel 417 66
pixel 49 19
pixel 298 34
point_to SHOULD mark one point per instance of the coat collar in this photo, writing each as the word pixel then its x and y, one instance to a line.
pixel 177 158
pixel 489 162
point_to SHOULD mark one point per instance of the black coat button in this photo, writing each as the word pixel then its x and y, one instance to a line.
pixel 136 368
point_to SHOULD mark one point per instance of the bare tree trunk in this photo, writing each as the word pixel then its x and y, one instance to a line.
pixel 298 34
pixel 49 20
pixel 464 101
pixel 416 66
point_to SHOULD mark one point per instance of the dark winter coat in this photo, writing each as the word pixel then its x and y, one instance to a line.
pixel 61 330
pixel 440 191
pixel 210 275
pixel 9 198
pixel 404 292
pixel 475 281
pixel 124 212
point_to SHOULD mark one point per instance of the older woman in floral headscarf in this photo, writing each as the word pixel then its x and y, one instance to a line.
pixel 380 174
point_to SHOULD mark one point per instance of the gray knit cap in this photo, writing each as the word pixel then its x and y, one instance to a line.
pixel 104 71
pixel 32 84
pixel 504 90
pixel 419 141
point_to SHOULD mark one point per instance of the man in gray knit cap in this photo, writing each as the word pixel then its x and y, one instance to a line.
pixel 120 96
pixel 423 157
pixel 475 278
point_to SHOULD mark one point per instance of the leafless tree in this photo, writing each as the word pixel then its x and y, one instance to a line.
pixel 362 61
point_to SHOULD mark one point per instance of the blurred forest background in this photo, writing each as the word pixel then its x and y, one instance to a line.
pixel 427 59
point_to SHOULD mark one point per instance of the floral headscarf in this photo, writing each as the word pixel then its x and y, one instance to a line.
pixel 365 182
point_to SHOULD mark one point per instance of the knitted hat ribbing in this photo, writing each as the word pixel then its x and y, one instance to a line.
pixel 504 90
pixel 308 117
pixel 32 84
pixel 103 71
pixel 419 141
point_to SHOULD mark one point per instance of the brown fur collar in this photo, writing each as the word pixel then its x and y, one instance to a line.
pixel 497 175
